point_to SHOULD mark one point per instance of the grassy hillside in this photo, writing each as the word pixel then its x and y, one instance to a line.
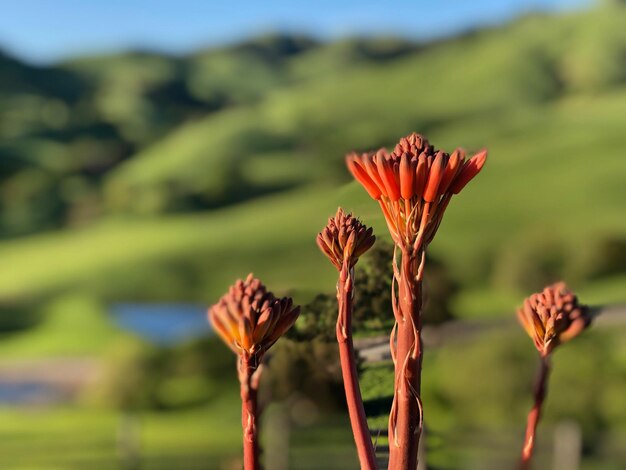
pixel 205 175
pixel 522 67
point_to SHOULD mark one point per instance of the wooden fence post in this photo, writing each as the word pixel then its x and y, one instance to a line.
pixel 567 446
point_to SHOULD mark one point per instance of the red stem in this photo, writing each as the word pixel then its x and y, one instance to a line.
pixel 358 419
pixel 535 413
pixel 248 378
pixel 405 421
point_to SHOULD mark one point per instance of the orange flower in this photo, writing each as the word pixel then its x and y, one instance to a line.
pixel 345 238
pixel 552 317
pixel 250 319
pixel 414 184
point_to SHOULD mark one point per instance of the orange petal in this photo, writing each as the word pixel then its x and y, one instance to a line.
pixel 368 163
pixel 362 177
pixel 574 329
pixel 523 319
pixel 386 175
pixel 540 330
pixel 262 326
pixel 222 330
pixel 348 247
pixel 471 169
pixel 245 333
pixel 407 175
pixel 421 172
pixel 327 250
pixel 452 169
pixel 285 322
pixel 434 178
pixel 365 243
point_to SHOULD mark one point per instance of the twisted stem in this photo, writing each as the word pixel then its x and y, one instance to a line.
pixel 358 419
pixel 406 417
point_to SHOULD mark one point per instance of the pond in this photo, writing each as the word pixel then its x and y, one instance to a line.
pixel 163 324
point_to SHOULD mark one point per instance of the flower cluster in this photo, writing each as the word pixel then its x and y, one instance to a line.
pixel 250 319
pixel 552 317
pixel 414 184
pixel 345 238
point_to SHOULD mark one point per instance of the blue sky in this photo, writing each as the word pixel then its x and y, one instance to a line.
pixel 48 30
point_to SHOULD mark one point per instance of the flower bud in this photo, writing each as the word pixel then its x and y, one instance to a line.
pixel 250 319
pixel 345 238
pixel 552 317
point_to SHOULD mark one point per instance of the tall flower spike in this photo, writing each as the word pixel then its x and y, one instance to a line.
pixel 552 317
pixel 250 319
pixel 414 184
pixel 344 238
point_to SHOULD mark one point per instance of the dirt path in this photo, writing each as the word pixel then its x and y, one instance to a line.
pixel 377 349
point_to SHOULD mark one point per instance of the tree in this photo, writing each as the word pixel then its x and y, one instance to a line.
pixel 372 308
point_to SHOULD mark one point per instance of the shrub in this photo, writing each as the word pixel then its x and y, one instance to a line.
pixel 309 369
pixel 372 311
pixel 138 375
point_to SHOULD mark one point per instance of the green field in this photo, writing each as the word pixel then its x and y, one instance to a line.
pixel 467 427
pixel 206 438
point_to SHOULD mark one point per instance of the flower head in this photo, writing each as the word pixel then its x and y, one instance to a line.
pixel 344 239
pixel 414 184
pixel 250 319
pixel 553 316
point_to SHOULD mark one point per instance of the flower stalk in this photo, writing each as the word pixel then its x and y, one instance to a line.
pixel 413 185
pixel 343 240
pixel 249 319
pixel 249 374
pixel 550 318
pixel 539 395
pixel 406 416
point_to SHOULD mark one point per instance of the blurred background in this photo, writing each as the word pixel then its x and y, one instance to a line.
pixel 153 152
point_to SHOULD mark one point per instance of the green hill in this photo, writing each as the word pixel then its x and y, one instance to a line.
pixel 170 176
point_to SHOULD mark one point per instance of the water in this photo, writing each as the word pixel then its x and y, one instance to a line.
pixel 163 324
pixel 28 392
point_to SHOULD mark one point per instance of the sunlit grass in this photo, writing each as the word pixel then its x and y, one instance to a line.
pixel 72 326
pixel 51 438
